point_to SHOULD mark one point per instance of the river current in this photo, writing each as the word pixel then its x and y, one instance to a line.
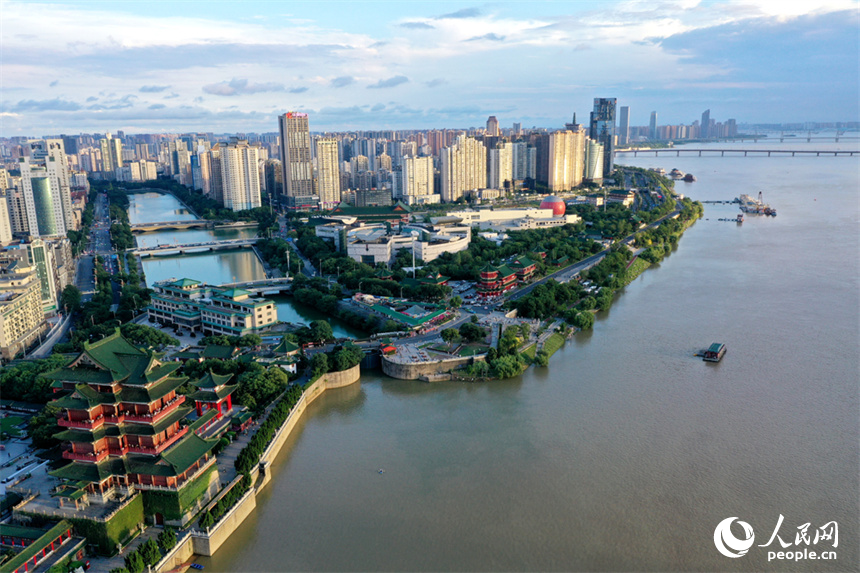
pixel 627 451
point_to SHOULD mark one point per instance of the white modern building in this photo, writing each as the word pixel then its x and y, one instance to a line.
pixel 464 167
pixel 240 175
pixel 328 173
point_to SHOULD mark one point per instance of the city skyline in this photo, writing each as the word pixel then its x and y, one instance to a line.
pixel 168 68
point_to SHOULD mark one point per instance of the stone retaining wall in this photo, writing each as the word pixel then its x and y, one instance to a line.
pixel 415 370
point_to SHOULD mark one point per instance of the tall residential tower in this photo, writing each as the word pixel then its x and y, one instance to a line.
pixel 298 171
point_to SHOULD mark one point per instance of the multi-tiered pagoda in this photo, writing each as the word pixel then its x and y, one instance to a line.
pixel 123 420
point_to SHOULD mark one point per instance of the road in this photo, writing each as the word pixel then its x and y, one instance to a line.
pixel 568 273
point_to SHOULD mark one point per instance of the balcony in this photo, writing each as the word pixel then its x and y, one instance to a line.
pixel 84 424
pixel 86 457
pixel 157 415
pixel 154 451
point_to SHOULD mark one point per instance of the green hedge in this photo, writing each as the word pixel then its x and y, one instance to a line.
pixel 173 505
pixel 250 454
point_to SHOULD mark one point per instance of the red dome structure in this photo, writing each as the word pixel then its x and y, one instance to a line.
pixel 556 204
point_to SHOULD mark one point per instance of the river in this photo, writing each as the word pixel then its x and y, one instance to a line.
pixel 214 268
pixel 627 451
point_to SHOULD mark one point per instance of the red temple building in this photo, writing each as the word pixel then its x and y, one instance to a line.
pixel 496 280
pixel 213 394
pixel 524 267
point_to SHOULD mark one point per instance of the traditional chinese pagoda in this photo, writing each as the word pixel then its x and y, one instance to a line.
pixel 123 421
pixel 496 280
pixel 213 394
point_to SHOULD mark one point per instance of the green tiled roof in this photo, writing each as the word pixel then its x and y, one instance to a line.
pixel 285 346
pixel 241 418
pixel 72 403
pixel 36 547
pixel 20 531
pixel 185 283
pixel 213 395
pixel 233 293
pixel 141 395
pixel 80 374
pixel 185 453
pixel 201 421
pixel 81 471
pixel 186 355
pixel 212 380
pixel 215 351
pixel 522 261
pixel 505 271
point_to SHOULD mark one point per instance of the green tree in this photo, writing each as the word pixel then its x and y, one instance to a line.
pixel 167 539
pixel 142 335
pixel 319 364
pixel 42 427
pixel 583 320
pixel 450 335
pixel 119 570
pixel 150 553
pixel 542 357
pixel 588 303
pixel 71 298
pixel 321 331
pixel 207 521
pixel 456 301
pixel 134 562
pixel 472 332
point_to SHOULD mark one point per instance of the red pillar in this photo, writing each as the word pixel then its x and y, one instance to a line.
pixel 229 402
pixel 199 408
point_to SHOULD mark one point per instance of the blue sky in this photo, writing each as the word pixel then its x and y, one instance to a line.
pixel 70 67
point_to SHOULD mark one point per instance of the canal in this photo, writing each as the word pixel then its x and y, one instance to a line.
pixel 217 267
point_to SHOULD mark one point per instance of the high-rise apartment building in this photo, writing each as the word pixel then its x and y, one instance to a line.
pixel 328 172
pixel 21 318
pixel 518 128
pixel 240 175
pixel 624 125
pixel 566 159
pixel 417 178
pixel 602 130
pixel 111 154
pixel 464 168
pixel 298 172
pixel 500 166
pixel 492 126
pixel 5 220
pixel 652 127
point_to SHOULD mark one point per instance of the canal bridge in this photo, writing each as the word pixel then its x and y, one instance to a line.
pixel 262 286
pixel 711 152
pixel 166 250
pixel 190 224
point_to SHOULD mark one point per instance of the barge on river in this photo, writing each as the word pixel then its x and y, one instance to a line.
pixel 715 352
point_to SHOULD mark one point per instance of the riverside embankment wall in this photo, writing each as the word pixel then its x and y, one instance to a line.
pixel 414 370
pixel 208 542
